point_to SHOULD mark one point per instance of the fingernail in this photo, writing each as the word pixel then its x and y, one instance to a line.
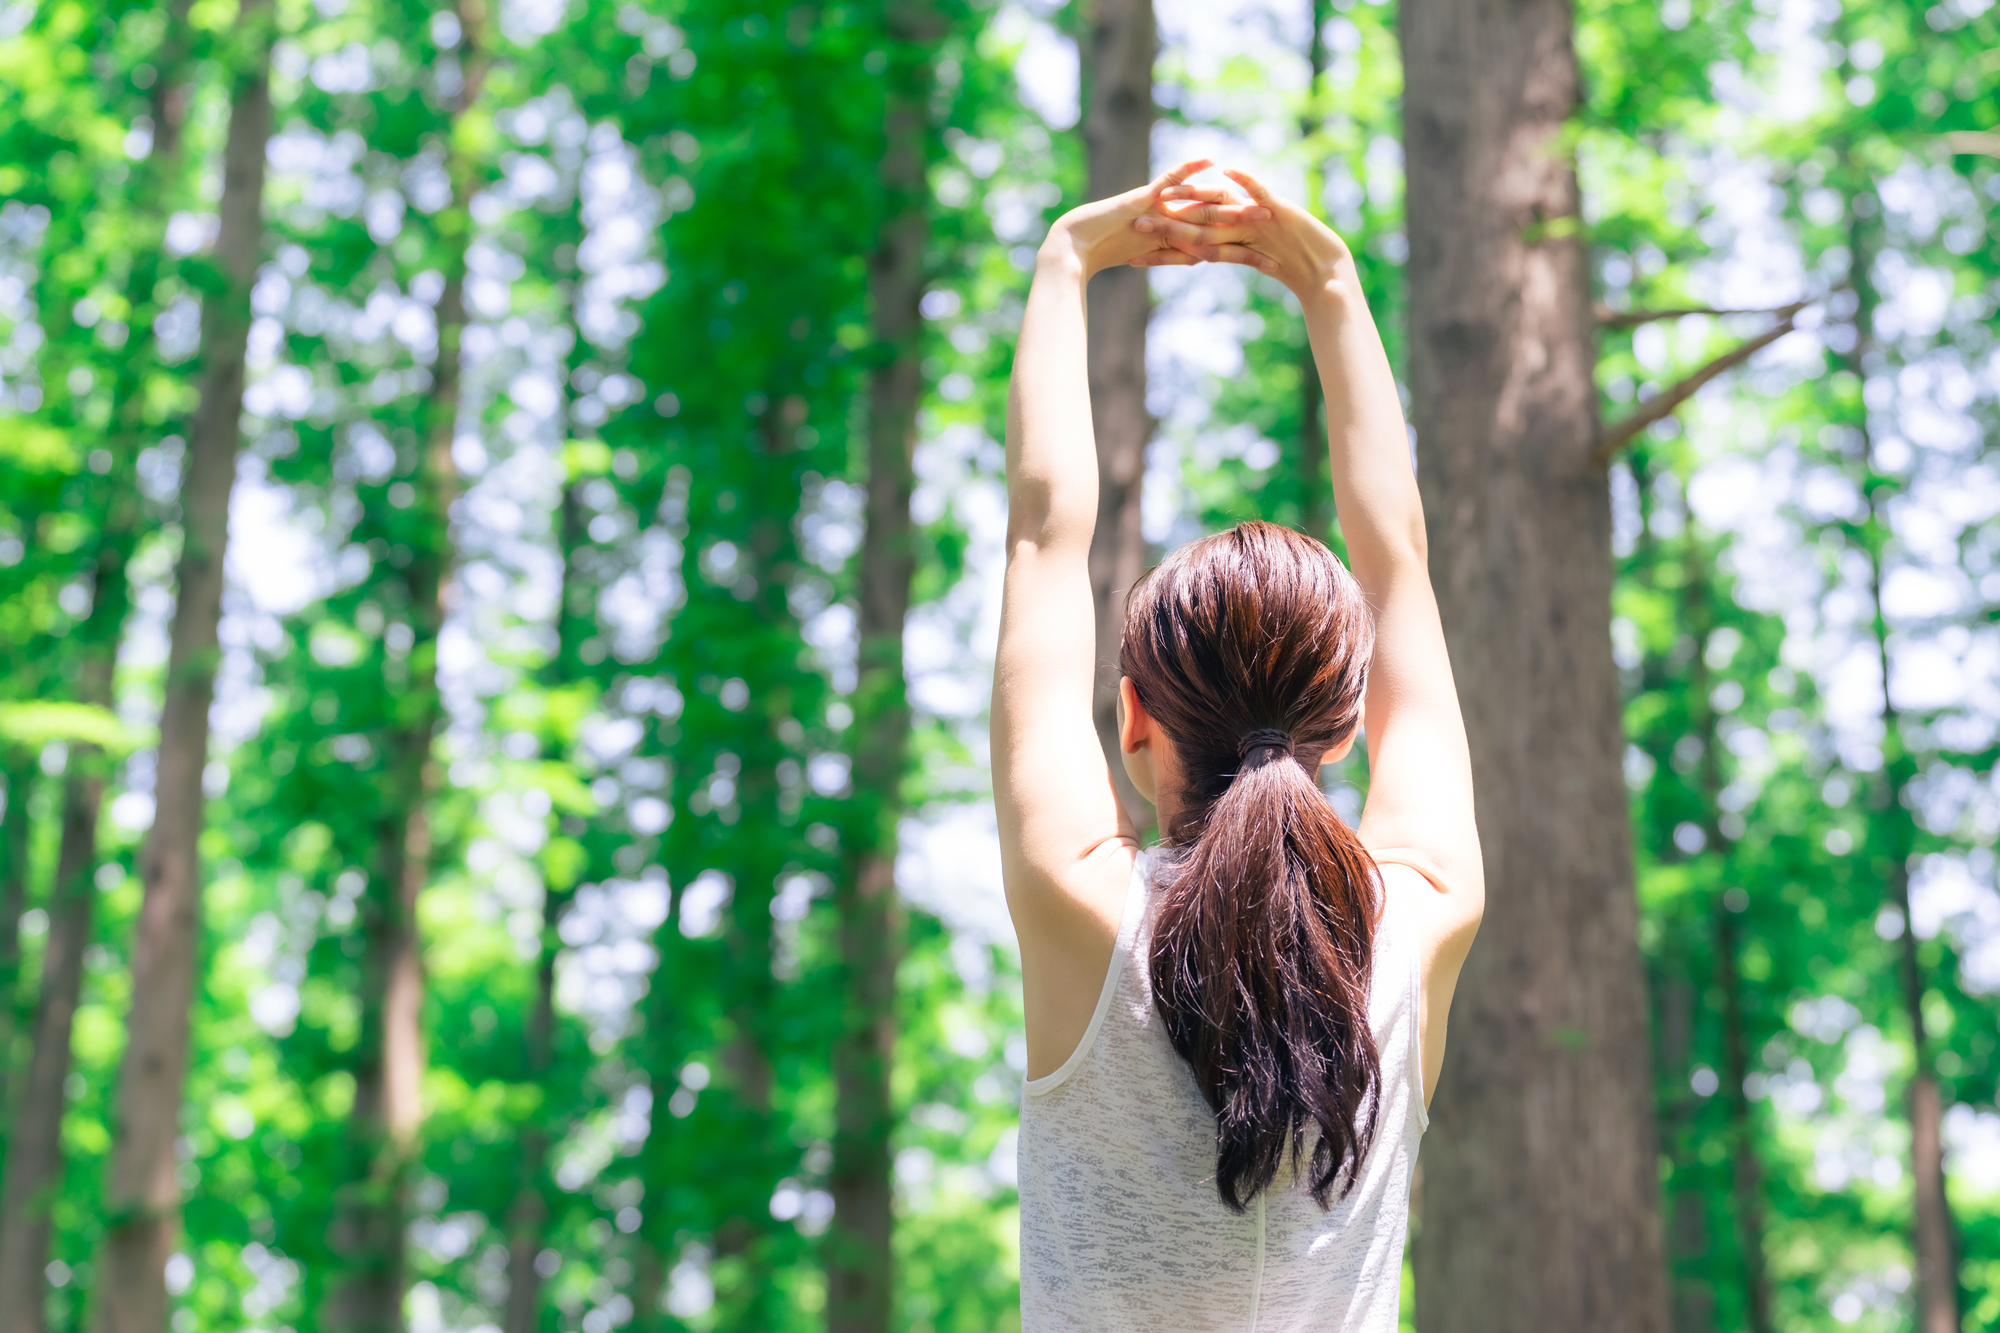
pixel 1142 224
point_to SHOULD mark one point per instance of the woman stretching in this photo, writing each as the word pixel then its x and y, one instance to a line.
pixel 1232 1037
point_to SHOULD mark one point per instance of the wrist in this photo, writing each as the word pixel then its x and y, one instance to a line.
pixel 1060 256
pixel 1337 288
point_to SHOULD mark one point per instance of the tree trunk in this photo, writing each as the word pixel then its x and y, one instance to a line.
pixel 1118 139
pixel 13 902
pixel 372 1204
pixel 528 1217
pixel 1693 1297
pixel 1746 1172
pixel 143 1197
pixel 1541 1209
pixel 1935 1238
pixel 1315 495
pixel 388 1111
pixel 858 1244
pixel 35 1159
pixel 1691 1276
pixel 1935 1234
pixel 527 1220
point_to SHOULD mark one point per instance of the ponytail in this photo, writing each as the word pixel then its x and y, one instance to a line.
pixel 1250 649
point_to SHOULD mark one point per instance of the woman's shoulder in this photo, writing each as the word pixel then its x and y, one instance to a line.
pixel 1069 924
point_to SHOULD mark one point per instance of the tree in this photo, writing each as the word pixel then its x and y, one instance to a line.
pixel 1894 831
pixel 1541 1203
pixel 862 1182
pixel 577 851
pixel 1123 41
pixel 144 1195
pixel 388 1110
pixel 116 421
pixel 20 774
pixel 747 433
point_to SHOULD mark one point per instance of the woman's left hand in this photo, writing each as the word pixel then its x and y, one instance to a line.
pixel 1100 235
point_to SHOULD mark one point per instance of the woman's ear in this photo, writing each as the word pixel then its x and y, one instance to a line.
pixel 1135 727
pixel 1136 736
pixel 1340 751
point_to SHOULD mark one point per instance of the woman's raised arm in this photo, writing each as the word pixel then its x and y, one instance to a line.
pixel 1066 845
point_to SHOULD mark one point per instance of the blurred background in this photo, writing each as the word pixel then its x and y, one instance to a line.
pixel 582 891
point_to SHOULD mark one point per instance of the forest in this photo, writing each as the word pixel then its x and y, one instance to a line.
pixel 501 519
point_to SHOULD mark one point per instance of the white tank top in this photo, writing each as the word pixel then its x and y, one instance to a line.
pixel 1121 1227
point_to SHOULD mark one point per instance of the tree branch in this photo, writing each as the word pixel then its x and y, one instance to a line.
pixel 1616 437
pixel 1607 318
pixel 1974 142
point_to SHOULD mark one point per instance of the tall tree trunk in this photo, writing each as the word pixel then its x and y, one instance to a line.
pixel 1315 495
pixel 528 1217
pixel 1934 1233
pixel 1746 1172
pixel 753 1297
pixel 13 901
pixel 35 1160
pixel 1118 139
pixel 1542 1199
pixel 143 1197
pixel 858 1244
pixel 1693 1297
pixel 1935 1238
pixel 34 1150
pixel 1691 1279
pixel 372 1203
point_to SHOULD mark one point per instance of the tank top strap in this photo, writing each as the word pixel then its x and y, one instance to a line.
pixel 1397 956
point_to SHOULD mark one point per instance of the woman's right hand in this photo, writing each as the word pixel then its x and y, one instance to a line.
pixel 1272 235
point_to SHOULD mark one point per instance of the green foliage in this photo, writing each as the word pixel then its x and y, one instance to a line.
pixel 661 215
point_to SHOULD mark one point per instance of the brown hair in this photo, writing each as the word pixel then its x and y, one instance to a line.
pixel 1250 648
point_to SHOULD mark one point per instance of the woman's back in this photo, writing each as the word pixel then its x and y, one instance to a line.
pixel 1121 1226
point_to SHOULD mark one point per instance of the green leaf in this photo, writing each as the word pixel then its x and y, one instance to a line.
pixel 36 724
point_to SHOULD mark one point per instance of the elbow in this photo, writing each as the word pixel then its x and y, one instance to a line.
pixel 1035 522
pixel 1030 512
pixel 1391 552
pixel 1415 540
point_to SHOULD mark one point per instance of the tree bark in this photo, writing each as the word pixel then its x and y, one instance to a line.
pixel 1118 139
pixel 1691 1275
pixel 35 1159
pixel 527 1219
pixel 13 902
pixel 1746 1172
pixel 372 1204
pixel 859 1266
pixel 1693 1297
pixel 1315 495
pixel 1934 1234
pixel 143 1196
pixel 1541 1208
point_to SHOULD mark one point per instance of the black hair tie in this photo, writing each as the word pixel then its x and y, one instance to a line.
pixel 1264 738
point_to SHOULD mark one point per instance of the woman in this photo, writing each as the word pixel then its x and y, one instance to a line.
pixel 1231 1038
